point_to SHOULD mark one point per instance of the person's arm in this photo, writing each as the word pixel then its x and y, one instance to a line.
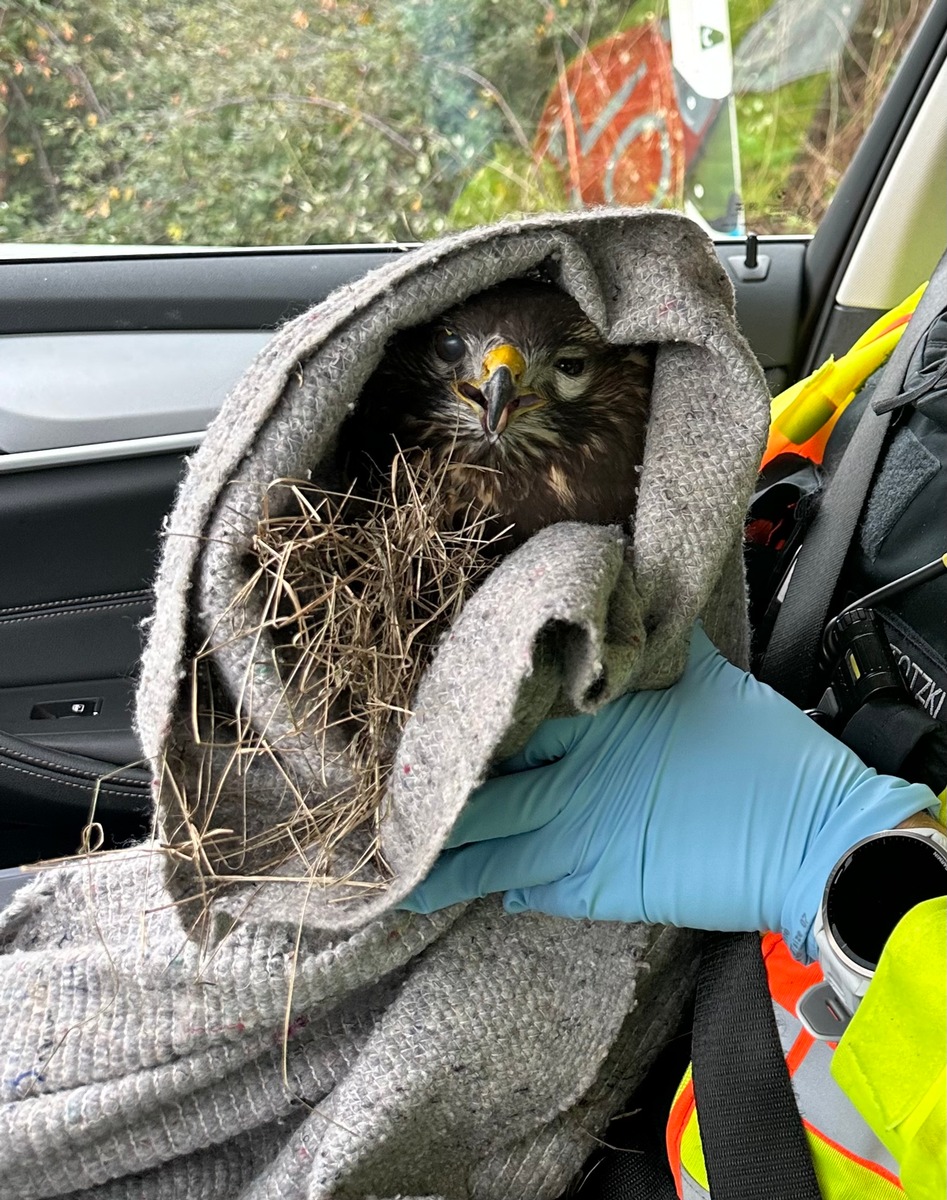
pixel 714 804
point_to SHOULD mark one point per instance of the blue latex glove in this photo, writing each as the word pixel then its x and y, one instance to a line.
pixel 714 804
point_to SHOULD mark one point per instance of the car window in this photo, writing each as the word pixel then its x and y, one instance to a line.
pixel 231 122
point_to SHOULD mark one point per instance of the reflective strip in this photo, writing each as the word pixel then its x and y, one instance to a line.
pixel 824 1106
pixel 800 1048
pixel 838 1175
pixel 850 1162
pixel 690 1188
pixel 789 1027
pixel 693 1167
pixel 841 1177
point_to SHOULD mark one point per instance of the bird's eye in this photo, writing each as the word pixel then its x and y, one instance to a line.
pixel 570 366
pixel 449 346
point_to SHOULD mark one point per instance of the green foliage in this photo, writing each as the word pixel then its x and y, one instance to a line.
pixel 307 121
pixel 295 121
pixel 235 123
pixel 510 184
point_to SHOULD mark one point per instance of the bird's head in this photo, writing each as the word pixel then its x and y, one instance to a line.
pixel 538 418
pixel 517 367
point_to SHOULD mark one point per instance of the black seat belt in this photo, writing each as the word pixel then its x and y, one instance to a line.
pixel 752 1136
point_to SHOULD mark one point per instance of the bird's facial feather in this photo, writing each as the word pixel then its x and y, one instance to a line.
pixel 560 359
pixel 570 439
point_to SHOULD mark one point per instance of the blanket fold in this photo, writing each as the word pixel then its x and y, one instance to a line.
pixel 210 1025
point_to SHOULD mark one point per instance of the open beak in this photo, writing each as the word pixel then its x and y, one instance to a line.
pixel 503 370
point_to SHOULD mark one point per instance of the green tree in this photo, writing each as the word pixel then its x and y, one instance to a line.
pixel 324 121
pixel 290 122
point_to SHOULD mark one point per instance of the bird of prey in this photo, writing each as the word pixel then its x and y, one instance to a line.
pixel 540 418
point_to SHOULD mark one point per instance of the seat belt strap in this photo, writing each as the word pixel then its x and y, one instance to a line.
pixel 753 1141
pixel 791 661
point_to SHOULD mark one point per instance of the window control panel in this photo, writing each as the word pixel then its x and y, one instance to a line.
pixel 91 718
pixel 53 710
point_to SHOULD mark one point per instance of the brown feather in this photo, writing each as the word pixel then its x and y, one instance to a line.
pixel 576 456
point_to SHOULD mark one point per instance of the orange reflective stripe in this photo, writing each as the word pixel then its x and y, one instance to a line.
pixel 786 977
pixel 682 1108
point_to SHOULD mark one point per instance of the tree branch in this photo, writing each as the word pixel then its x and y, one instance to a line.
pixel 78 78
pixel 336 106
pixel 499 99
pixel 42 162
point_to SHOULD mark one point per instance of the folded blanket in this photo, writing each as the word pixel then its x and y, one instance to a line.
pixel 208 1024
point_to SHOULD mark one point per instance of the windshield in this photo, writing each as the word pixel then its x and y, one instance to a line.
pixel 194 122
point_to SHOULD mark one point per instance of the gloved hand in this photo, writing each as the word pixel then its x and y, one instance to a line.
pixel 714 804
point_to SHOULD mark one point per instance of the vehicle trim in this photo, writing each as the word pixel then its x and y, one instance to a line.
pixel 69 456
pixel 844 224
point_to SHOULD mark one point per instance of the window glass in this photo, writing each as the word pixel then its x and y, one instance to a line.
pixel 236 122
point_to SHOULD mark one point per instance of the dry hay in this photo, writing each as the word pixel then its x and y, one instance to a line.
pixel 356 591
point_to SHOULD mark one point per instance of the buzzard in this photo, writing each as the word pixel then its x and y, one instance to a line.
pixel 540 419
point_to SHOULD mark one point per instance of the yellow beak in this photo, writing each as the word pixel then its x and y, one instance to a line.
pixel 503 370
pixel 504 356
pixel 497 395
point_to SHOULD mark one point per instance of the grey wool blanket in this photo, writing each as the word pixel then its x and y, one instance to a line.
pixel 207 1025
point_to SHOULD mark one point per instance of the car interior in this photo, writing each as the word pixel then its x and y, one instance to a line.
pixel 114 359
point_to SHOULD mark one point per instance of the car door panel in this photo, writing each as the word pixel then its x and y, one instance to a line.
pixel 769 300
pixel 90 716
pixel 68 641
pixel 47 797
pixel 84 541
pixel 166 289
pixel 82 531
pixel 75 389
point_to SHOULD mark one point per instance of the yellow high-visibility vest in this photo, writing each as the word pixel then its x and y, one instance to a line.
pixel 850 1161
